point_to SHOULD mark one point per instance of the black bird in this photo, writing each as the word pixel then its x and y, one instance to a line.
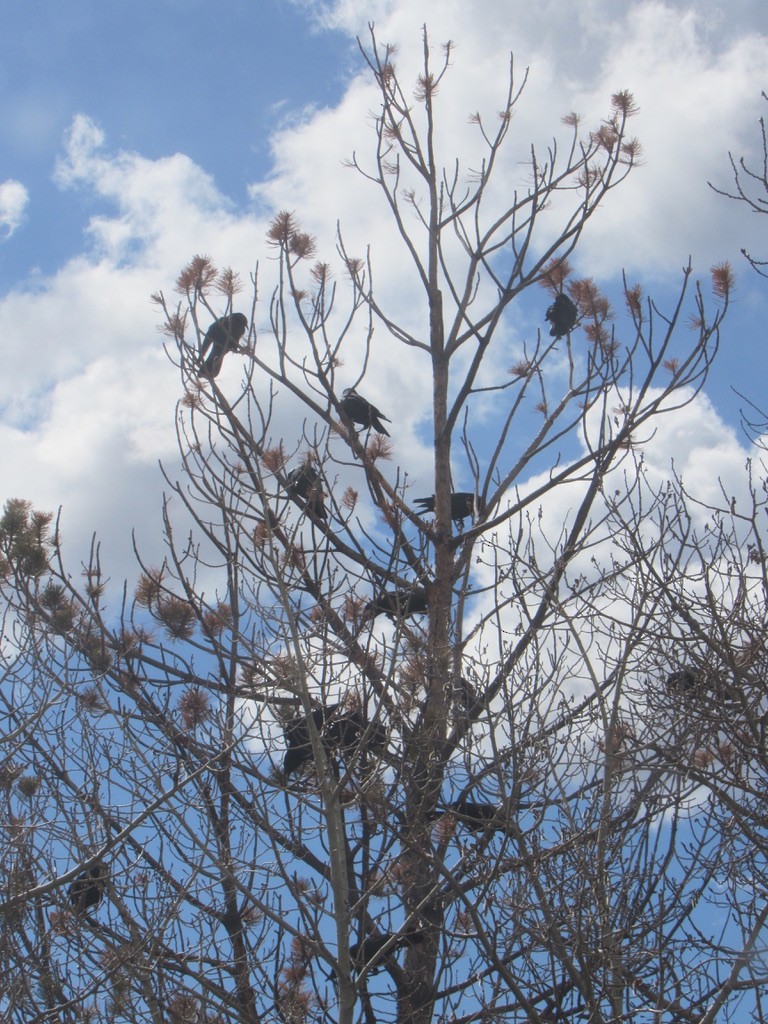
pixel 372 945
pixel 476 816
pixel 463 505
pixel 397 604
pixel 87 890
pixel 687 681
pixel 345 732
pixel 221 337
pixel 464 694
pixel 362 412
pixel 299 743
pixel 562 315
pixel 341 731
pixel 304 483
pixel 684 680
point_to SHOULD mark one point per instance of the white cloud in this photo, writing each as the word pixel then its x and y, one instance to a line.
pixel 698 100
pixel 94 454
pixel 164 207
pixel 13 203
pixel 696 70
pixel 88 396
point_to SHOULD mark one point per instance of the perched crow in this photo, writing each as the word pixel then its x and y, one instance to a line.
pixel 684 681
pixel 372 945
pixel 87 890
pixel 463 505
pixel 345 731
pixel 687 681
pixel 397 604
pixel 341 732
pixel 464 694
pixel 304 483
pixel 562 315
pixel 299 743
pixel 294 758
pixel 476 815
pixel 221 337
pixel 362 412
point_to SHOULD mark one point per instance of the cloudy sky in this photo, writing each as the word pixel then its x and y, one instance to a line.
pixel 133 136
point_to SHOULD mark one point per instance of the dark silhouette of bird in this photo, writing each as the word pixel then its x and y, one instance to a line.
pixel 341 732
pixel 684 680
pixel 562 315
pixel 345 732
pixel 299 742
pixel 362 412
pixel 304 484
pixel 476 816
pixel 221 337
pixel 362 953
pixel 463 505
pixel 397 604
pixel 87 890
pixel 688 681
pixel 369 949
pixel 464 693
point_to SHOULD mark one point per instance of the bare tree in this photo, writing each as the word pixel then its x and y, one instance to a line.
pixel 751 188
pixel 342 759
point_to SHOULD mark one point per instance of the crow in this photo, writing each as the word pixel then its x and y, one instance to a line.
pixel 687 681
pixel 299 743
pixel 476 816
pixel 371 946
pixel 304 484
pixel 463 505
pixel 345 731
pixel 87 890
pixel 221 337
pixel 562 315
pixel 684 680
pixel 341 731
pixel 464 694
pixel 362 412
pixel 397 604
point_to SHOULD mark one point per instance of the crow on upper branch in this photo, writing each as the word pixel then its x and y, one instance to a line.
pixel 221 337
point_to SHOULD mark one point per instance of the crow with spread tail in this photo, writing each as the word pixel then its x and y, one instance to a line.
pixel 562 316
pixel 361 412
pixel 221 337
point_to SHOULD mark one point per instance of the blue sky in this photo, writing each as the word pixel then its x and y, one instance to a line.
pixel 160 76
pixel 134 135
